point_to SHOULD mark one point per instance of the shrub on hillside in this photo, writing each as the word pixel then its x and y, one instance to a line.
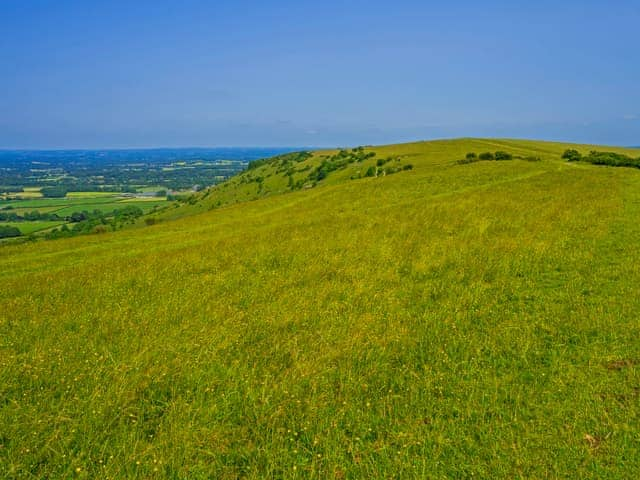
pixel 572 155
pixel 500 155
pixel 470 158
pixel 486 156
pixel 7 231
pixel 612 159
pixel 371 171
pixel 287 157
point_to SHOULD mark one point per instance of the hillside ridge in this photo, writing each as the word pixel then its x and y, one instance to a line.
pixel 268 177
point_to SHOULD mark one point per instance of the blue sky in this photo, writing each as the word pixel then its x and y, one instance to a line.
pixel 88 74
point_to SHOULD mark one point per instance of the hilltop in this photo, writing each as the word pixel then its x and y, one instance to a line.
pixel 406 313
pixel 305 170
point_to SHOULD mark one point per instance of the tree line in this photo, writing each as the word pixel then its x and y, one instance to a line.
pixel 7 215
pixel 500 155
pixel 79 222
pixel 96 222
pixel 7 231
pixel 595 157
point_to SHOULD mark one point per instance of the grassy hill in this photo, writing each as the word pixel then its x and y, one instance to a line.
pixel 447 321
pixel 291 172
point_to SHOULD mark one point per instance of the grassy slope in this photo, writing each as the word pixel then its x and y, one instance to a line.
pixel 421 154
pixel 450 321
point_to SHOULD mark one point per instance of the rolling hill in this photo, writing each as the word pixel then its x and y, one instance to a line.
pixel 377 312
pixel 290 172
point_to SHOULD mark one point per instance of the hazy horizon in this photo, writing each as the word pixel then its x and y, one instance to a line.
pixel 280 147
pixel 89 75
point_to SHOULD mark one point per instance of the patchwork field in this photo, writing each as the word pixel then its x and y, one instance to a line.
pixel 72 203
pixel 81 200
pixel 448 321
pixel 27 194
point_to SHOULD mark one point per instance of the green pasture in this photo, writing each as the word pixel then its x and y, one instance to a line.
pixel 28 228
pixel 91 194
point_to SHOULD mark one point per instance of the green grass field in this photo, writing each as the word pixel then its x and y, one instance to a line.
pixel 105 207
pixel 27 194
pixel 451 321
pixel 28 228
pixel 59 202
pixel 91 194
pixel 78 201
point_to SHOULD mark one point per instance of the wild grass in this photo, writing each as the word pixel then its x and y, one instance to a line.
pixel 452 321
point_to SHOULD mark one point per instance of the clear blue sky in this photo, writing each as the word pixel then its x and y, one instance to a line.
pixel 84 74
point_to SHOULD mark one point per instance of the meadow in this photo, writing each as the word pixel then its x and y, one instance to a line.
pixel 449 321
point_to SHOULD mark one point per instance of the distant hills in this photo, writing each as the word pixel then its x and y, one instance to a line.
pixel 63 158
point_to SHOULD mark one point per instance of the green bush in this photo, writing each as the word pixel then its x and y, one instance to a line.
pixel 612 159
pixel 7 231
pixel 465 161
pixel 371 171
pixel 572 155
pixel 486 156
pixel 500 155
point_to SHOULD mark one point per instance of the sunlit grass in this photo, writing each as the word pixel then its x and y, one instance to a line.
pixel 453 321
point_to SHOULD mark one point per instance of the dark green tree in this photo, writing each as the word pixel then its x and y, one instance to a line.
pixel 572 155
pixel 7 231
